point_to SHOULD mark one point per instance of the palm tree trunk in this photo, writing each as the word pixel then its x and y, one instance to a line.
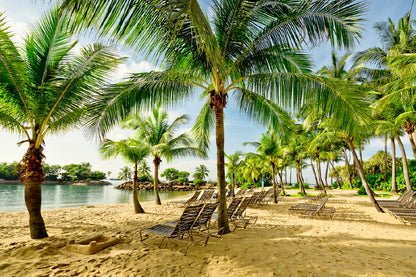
pixel 219 134
pixel 281 181
pixel 393 167
pixel 347 164
pixel 410 129
pixel 337 177
pixel 156 162
pixel 361 157
pixel 326 173
pixel 318 165
pixel 362 176
pixel 274 184
pixel 405 166
pixel 233 185
pixel 385 158
pixel 33 177
pixel 314 172
pixel 137 207
pixel 302 188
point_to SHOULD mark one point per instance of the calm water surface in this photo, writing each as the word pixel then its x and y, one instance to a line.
pixel 63 196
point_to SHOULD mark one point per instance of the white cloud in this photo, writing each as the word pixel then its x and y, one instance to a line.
pixel 132 67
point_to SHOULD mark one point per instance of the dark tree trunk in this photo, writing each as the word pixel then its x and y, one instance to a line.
pixel 137 207
pixel 385 158
pixel 157 162
pixel 410 129
pixel 314 172
pixel 33 177
pixel 274 184
pixel 337 177
pixel 326 173
pixel 281 182
pixel 393 167
pixel 233 185
pixel 405 166
pixel 318 165
pixel 219 104
pixel 362 176
pixel 302 189
pixel 361 158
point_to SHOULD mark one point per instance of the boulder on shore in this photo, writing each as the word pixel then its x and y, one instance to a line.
pixel 171 186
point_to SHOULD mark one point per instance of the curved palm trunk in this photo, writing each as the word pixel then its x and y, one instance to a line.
pixel 156 162
pixel 337 177
pixel 393 167
pixel 361 157
pixel 137 207
pixel 347 164
pixel 219 134
pixel 410 129
pixel 405 166
pixel 318 165
pixel 314 172
pixel 233 185
pixel 274 184
pixel 326 173
pixel 33 177
pixel 363 180
pixel 281 182
pixel 385 158
pixel 302 188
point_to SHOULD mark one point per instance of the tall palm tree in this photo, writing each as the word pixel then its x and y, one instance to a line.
pixel 144 169
pixel 125 173
pixel 201 172
pixel 132 151
pixel 234 161
pixel 45 89
pixel 246 51
pixel 156 132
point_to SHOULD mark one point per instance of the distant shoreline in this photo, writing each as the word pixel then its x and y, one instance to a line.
pixel 81 183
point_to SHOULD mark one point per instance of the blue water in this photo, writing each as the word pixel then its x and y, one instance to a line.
pixel 63 196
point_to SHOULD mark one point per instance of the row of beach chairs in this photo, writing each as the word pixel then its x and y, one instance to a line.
pixel 310 209
pixel 404 208
pixel 199 197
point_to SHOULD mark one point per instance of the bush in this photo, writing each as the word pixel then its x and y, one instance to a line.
pixel 182 179
pixel 362 191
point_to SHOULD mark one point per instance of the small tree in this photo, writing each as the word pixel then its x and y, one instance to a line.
pixel 125 173
pixel 170 174
pixel 201 172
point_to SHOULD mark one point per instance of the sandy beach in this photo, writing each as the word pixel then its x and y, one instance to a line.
pixel 357 242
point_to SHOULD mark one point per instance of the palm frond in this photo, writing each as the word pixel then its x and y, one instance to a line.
pixel 204 123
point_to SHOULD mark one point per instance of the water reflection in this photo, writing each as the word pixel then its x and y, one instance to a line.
pixel 61 196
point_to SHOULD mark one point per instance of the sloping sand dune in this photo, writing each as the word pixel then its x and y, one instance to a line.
pixel 358 242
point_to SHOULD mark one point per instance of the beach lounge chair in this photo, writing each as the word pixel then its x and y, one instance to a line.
pixel 311 210
pixel 405 200
pixel 176 232
pixel 206 195
pixel 186 202
pixel 202 223
pixel 239 218
pixel 240 193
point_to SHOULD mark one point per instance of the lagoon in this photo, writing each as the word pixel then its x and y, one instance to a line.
pixel 64 196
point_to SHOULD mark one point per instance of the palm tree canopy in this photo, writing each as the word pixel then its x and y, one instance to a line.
pixel 249 50
pixel 46 88
pixel 161 137
pixel 132 151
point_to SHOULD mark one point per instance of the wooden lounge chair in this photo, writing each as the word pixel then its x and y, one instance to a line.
pixel 177 232
pixel 240 193
pixel 206 195
pixel 311 210
pixel 186 202
pixel 239 217
pixel 406 201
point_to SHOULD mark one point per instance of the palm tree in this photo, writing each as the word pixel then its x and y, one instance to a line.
pixel 156 132
pixel 132 151
pixel 252 167
pixel 247 53
pixel 201 172
pixel 46 89
pixel 234 162
pixel 144 169
pixel 125 174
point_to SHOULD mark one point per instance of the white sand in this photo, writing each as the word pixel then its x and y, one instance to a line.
pixel 358 242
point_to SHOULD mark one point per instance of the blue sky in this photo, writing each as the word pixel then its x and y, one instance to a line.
pixel 73 147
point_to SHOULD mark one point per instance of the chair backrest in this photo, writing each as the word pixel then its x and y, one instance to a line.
pixel 206 195
pixel 409 196
pixel 322 204
pixel 233 206
pixel 404 195
pixel 242 208
pixel 186 220
pixel 205 215
pixel 260 196
pixel 240 193
pixel 194 197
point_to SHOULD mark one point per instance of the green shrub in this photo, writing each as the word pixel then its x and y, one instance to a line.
pixel 182 179
pixel 362 191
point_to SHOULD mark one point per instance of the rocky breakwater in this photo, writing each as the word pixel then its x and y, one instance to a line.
pixel 171 186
